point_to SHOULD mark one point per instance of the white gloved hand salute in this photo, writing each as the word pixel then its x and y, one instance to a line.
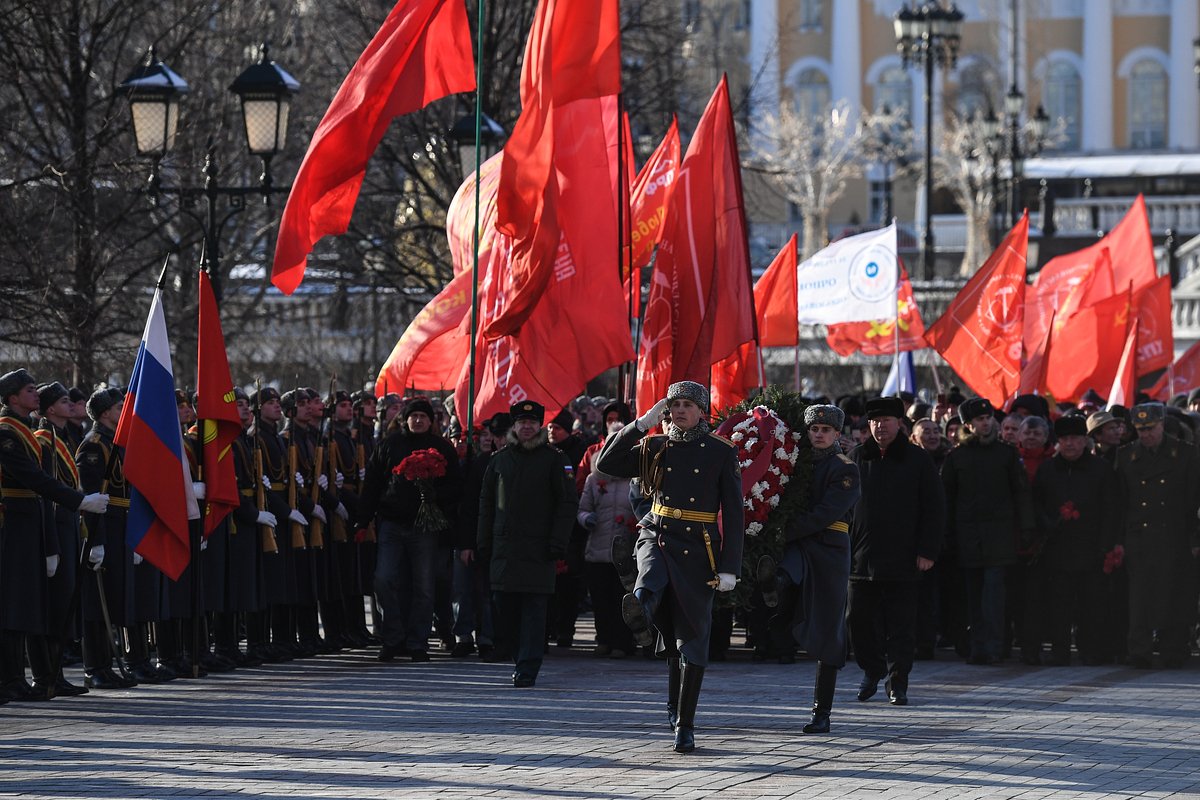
pixel 296 517
pixel 94 503
pixel 266 518
pixel 727 582
pixel 652 418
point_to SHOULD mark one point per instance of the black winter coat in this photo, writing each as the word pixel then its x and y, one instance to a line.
pixel 901 513
pixel 988 502
pixel 398 499
pixel 1077 511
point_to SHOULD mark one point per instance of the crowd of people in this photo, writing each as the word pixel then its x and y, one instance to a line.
pixel 1043 534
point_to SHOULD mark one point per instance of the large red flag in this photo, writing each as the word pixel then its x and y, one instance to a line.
pixel 979 335
pixel 216 410
pixel 1087 348
pixel 878 338
pixel 1131 251
pixel 1182 376
pixel 581 328
pixel 651 196
pixel 1156 339
pixel 421 53
pixel 701 305
pixel 735 377
pixel 573 53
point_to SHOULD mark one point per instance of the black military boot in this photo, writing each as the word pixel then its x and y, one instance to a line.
pixel 673 678
pixel 41 665
pixel 822 699
pixel 62 686
pixel 637 609
pixel 623 559
pixel 691 676
pixel 12 668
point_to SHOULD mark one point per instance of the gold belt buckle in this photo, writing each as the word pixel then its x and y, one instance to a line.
pixel 676 513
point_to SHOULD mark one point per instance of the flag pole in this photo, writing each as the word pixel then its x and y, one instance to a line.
pixel 475 227
pixel 622 211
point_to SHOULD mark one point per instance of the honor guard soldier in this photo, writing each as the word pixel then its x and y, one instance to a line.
pixel 300 434
pixel 106 601
pixel 362 436
pixel 688 475
pixel 1160 489
pixel 29 551
pixel 809 586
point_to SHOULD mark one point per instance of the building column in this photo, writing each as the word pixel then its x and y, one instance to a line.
pixel 1097 125
pixel 846 56
pixel 1183 99
pixel 764 62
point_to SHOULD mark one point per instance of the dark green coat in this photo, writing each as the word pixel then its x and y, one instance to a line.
pixel 526 511
pixel 988 502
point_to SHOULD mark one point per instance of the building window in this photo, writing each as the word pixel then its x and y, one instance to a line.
pixel 742 22
pixel 976 81
pixel 812 93
pixel 1147 106
pixel 877 192
pixel 894 90
pixel 1061 98
pixel 810 15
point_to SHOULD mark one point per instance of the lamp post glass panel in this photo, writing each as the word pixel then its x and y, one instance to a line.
pixel 928 36
pixel 462 134
pixel 265 90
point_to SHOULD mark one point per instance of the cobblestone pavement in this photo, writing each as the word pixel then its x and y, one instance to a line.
pixel 348 726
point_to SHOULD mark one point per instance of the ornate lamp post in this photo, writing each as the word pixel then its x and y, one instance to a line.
pixel 926 36
pixel 265 90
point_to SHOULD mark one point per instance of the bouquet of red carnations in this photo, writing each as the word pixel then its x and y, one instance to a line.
pixel 422 467
pixel 1113 559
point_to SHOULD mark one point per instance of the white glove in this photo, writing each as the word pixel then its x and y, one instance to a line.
pixel 362 473
pixel 267 481
pixel 654 417
pixel 203 544
pixel 297 517
pixel 342 512
pixel 94 503
pixel 137 558
pixel 266 518
pixel 96 556
pixel 299 481
pixel 51 566
pixel 323 481
pixel 728 581
pixel 319 513
pixel 341 479
pixel 198 490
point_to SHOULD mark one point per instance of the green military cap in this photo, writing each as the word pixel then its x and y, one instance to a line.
pixel 1147 415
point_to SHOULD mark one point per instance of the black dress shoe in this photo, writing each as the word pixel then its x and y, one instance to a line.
pixel 462 649
pixel 523 681
pixel 41 691
pixel 102 679
pixel 142 672
pixel 164 672
pixel 388 652
pixel 487 653
pixel 818 724
pixel 214 662
pixel 867 688
pixel 897 695
pixel 64 688
pixel 685 740
pixel 634 614
pixel 418 656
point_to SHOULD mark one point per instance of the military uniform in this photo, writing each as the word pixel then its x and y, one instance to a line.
pixel 1160 490
pixel 243 591
pixel 279 570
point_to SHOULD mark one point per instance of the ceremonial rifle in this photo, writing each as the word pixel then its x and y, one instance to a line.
pixel 333 455
pixel 293 455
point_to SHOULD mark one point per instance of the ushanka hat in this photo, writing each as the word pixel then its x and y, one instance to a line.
pixel 1147 415
pixel 688 390
pixel 13 382
pixel 102 400
pixel 823 414
pixel 975 407
pixel 51 393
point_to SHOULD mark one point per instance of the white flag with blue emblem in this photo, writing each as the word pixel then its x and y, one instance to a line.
pixel 852 280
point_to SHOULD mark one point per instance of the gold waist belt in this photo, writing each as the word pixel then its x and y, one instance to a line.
pixel 119 502
pixel 23 494
pixel 679 513
pixel 247 492
pixel 278 487
pixel 840 527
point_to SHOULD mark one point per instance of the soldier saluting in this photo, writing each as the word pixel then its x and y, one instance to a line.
pixel 690 474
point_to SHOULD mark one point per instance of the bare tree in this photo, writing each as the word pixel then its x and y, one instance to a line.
pixel 967 167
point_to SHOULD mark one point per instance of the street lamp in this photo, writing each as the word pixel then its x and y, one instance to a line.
pixel 462 134
pixel 265 90
pixel 1018 150
pixel 993 136
pixel 925 36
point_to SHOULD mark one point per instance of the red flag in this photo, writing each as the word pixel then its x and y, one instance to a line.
pixel 651 196
pixel 582 328
pixel 431 352
pixel 421 53
pixel 573 53
pixel 878 338
pixel 1037 364
pixel 980 333
pixel 1124 386
pixel 216 410
pixel 1131 251
pixel 1087 348
pixel 735 377
pixel 775 299
pixel 1182 376
pixel 701 305
pixel 1156 340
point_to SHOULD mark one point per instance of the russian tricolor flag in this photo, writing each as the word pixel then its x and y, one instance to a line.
pixel 161 498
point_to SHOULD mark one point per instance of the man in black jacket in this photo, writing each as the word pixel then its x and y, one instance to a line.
pixel 405 555
pixel 896 535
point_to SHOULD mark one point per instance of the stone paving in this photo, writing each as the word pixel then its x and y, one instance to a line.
pixel 347 726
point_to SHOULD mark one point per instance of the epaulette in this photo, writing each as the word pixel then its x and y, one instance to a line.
pixel 845 458
pixel 719 437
